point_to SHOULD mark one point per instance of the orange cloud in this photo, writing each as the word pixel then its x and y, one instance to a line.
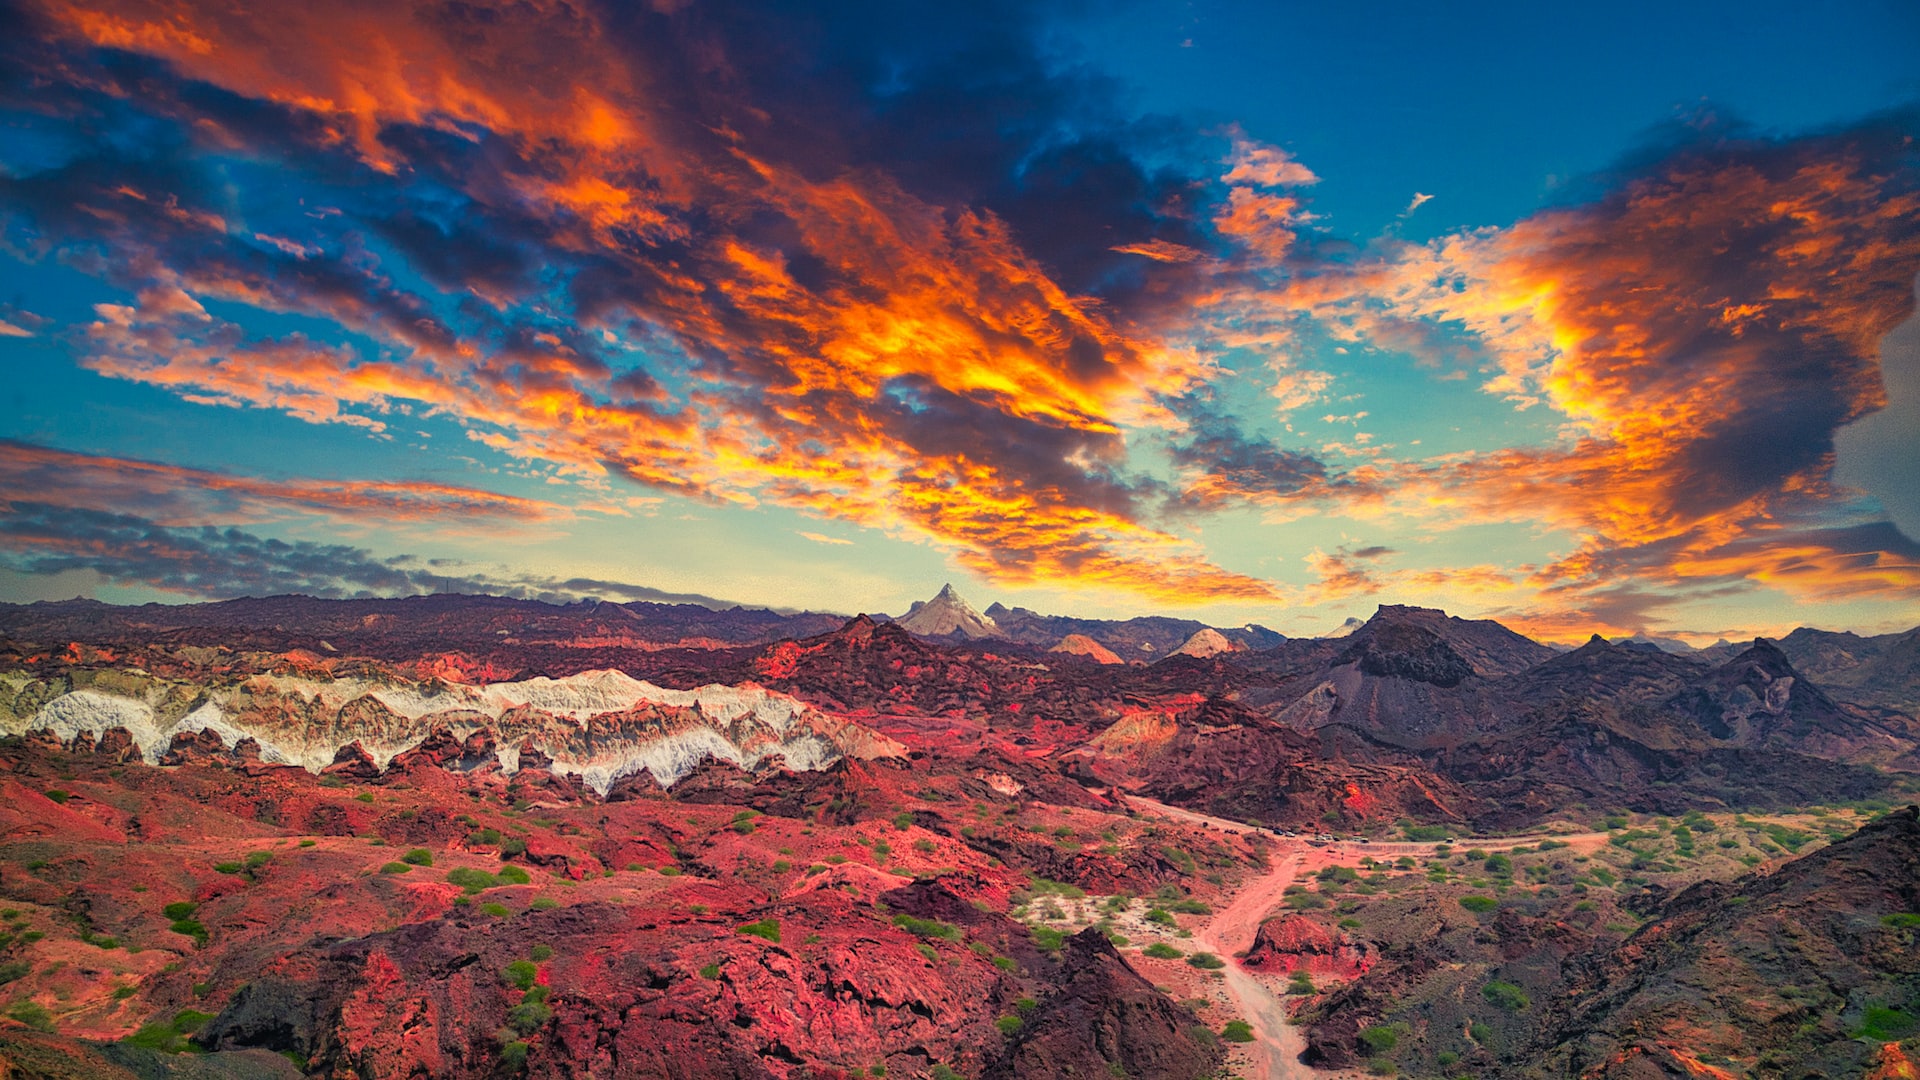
pixel 851 348
pixel 1704 329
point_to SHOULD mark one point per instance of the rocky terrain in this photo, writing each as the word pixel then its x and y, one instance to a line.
pixel 460 837
pixel 1697 947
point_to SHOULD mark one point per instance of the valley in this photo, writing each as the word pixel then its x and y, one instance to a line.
pixel 866 852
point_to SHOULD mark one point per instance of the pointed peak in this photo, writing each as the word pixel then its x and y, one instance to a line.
pixel 948 614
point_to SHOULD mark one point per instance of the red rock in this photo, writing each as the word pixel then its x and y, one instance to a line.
pixel 352 762
pixel 1295 943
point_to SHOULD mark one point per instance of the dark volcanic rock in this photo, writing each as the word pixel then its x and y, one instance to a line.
pixel 1781 968
pixel 1582 753
pixel 1105 1018
pixel 1407 652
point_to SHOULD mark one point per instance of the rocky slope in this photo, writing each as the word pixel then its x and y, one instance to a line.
pixel 432 921
pixel 1654 954
pixel 598 726
pixel 1801 972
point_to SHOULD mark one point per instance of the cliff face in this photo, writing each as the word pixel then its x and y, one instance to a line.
pixel 599 726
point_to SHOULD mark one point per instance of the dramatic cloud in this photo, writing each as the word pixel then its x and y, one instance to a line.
pixel 744 298
pixel 1705 327
pixel 901 269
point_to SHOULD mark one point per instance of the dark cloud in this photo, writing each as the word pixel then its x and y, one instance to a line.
pixel 1225 466
pixel 219 564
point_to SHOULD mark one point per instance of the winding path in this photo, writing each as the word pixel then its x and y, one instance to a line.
pixel 1277 1041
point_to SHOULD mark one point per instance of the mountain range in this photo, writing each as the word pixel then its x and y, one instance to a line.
pixel 754 844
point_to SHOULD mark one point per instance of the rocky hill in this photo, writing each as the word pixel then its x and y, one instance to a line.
pixel 1801 972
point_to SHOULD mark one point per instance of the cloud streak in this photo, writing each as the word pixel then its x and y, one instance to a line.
pixel 225 563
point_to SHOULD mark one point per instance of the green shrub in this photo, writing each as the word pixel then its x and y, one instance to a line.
pixel 155 1036
pixel 365 796
pixel 541 953
pixel 1048 887
pixel 498 911
pixel 528 1016
pixel 710 971
pixel 1009 1025
pixel 1480 1033
pixel 542 903
pixel 927 928
pixel 190 928
pixel 513 1056
pixel 1883 1024
pixel 1047 938
pixel 1479 905
pixel 1505 995
pixel 470 880
pixel 1237 1031
pixel 514 875
pixel 1160 950
pixel 1005 964
pixel 180 909
pixel 521 974
pixel 228 867
pixel 14 969
pixel 903 820
pixel 396 868
pixel 1161 916
pixel 31 1013
pixel 1379 1039
pixel 1905 920
pixel 1206 961
pixel 418 857
pixel 765 928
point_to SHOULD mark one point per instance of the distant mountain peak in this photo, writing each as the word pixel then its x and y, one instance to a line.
pixel 1345 629
pixel 1082 645
pixel 1208 642
pixel 948 614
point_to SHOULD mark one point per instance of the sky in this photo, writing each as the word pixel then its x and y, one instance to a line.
pixel 1587 319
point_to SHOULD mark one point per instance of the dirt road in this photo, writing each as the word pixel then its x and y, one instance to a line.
pixel 1278 1043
